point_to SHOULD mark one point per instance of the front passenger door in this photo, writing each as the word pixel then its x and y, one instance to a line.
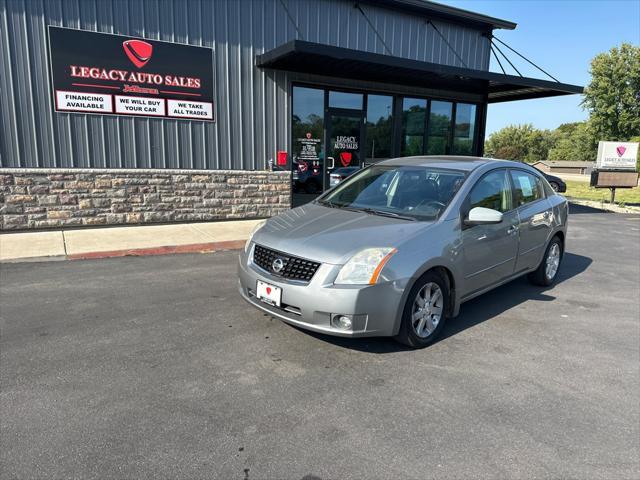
pixel 490 250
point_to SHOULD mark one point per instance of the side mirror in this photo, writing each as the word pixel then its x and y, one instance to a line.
pixel 483 216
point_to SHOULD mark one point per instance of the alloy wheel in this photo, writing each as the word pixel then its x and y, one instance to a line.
pixel 553 261
pixel 427 310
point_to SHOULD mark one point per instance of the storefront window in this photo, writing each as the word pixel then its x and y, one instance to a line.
pixel 307 124
pixel 413 116
pixel 439 128
pixel 464 130
pixel 345 100
pixel 379 133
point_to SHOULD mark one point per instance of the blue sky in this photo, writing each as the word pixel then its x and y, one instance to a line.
pixel 562 37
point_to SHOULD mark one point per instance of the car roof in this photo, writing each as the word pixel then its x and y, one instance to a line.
pixel 452 162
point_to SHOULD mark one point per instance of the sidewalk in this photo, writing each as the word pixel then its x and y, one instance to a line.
pixel 85 243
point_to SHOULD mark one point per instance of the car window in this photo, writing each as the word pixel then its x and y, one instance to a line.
pixel 548 189
pixel 492 191
pixel 413 191
pixel 527 187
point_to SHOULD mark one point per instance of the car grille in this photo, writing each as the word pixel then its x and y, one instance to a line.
pixel 294 268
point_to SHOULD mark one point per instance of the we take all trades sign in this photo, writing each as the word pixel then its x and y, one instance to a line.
pixel 117 75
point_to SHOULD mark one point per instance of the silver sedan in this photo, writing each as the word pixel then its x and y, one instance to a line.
pixel 397 248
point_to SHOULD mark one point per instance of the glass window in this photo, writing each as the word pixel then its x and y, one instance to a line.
pixel 345 100
pixel 464 129
pixel 527 187
pixel 413 117
pixel 379 133
pixel 492 191
pixel 415 192
pixel 307 124
pixel 439 128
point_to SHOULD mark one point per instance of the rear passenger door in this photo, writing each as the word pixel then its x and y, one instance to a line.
pixel 535 218
pixel 489 250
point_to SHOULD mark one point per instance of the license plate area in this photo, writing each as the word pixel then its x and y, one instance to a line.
pixel 268 293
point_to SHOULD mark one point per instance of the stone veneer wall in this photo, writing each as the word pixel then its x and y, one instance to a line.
pixel 50 198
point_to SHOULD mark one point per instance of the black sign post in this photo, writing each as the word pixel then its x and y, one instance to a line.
pixel 102 73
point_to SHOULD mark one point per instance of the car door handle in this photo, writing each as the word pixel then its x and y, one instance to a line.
pixel 512 229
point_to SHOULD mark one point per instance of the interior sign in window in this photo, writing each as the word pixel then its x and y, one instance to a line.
pixel 118 75
pixel 346 142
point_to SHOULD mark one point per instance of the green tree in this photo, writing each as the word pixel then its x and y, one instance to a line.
pixel 538 145
pixel 613 96
pixel 574 141
pixel 519 142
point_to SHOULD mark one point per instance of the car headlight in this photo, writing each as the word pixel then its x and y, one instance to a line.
pixel 364 267
pixel 257 227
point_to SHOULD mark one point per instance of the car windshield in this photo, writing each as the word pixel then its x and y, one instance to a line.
pixel 413 193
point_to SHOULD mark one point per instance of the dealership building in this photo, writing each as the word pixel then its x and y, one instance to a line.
pixel 129 112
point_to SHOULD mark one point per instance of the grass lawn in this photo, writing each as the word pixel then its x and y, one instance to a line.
pixel 583 191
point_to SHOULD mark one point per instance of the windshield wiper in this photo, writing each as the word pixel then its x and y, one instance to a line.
pixel 383 213
pixel 326 203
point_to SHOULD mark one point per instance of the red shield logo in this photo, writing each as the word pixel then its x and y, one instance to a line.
pixel 345 158
pixel 139 52
pixel 620 150
pixel 308 134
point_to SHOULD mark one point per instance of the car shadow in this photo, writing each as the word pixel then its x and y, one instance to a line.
pixel 473 312
pixel 575 209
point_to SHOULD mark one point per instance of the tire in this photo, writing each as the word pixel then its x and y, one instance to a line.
pixel 544 276
pixel 555 186
pixel 408 334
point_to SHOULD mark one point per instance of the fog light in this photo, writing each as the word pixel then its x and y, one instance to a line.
pixel 343 322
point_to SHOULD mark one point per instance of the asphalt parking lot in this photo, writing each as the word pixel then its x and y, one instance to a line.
pixel 154 367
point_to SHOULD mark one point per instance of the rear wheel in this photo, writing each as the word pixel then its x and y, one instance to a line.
pixel 555 186
pixel 425 312
pixel 547 271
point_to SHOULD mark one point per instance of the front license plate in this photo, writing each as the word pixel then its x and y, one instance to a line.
pixel 268 293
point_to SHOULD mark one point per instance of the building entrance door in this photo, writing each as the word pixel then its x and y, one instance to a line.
pixel 344 129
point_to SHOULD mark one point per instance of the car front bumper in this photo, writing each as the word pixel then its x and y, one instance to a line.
pixel 374 309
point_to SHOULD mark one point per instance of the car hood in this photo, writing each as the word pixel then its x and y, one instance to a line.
pixel 333 235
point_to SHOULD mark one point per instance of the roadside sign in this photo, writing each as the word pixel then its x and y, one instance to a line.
pixel 617 155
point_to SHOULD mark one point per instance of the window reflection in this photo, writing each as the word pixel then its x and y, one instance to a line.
pixel 307 123
pixel 413 117
pixel 345 100
pixel 464 129
pixel 379 132
pixel 439 127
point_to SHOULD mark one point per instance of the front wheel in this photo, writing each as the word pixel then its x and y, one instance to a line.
pixel 425 312
pixel 547 271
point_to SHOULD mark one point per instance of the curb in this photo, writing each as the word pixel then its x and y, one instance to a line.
pixel 141 252
pixel 166 250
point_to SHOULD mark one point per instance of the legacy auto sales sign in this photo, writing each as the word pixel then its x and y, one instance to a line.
pixel 117 75
pixel 617 155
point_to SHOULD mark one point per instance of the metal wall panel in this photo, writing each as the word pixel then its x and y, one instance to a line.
pixel 252 105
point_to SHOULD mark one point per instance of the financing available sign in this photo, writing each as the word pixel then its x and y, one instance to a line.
pixel 617 155
pixel 118 75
